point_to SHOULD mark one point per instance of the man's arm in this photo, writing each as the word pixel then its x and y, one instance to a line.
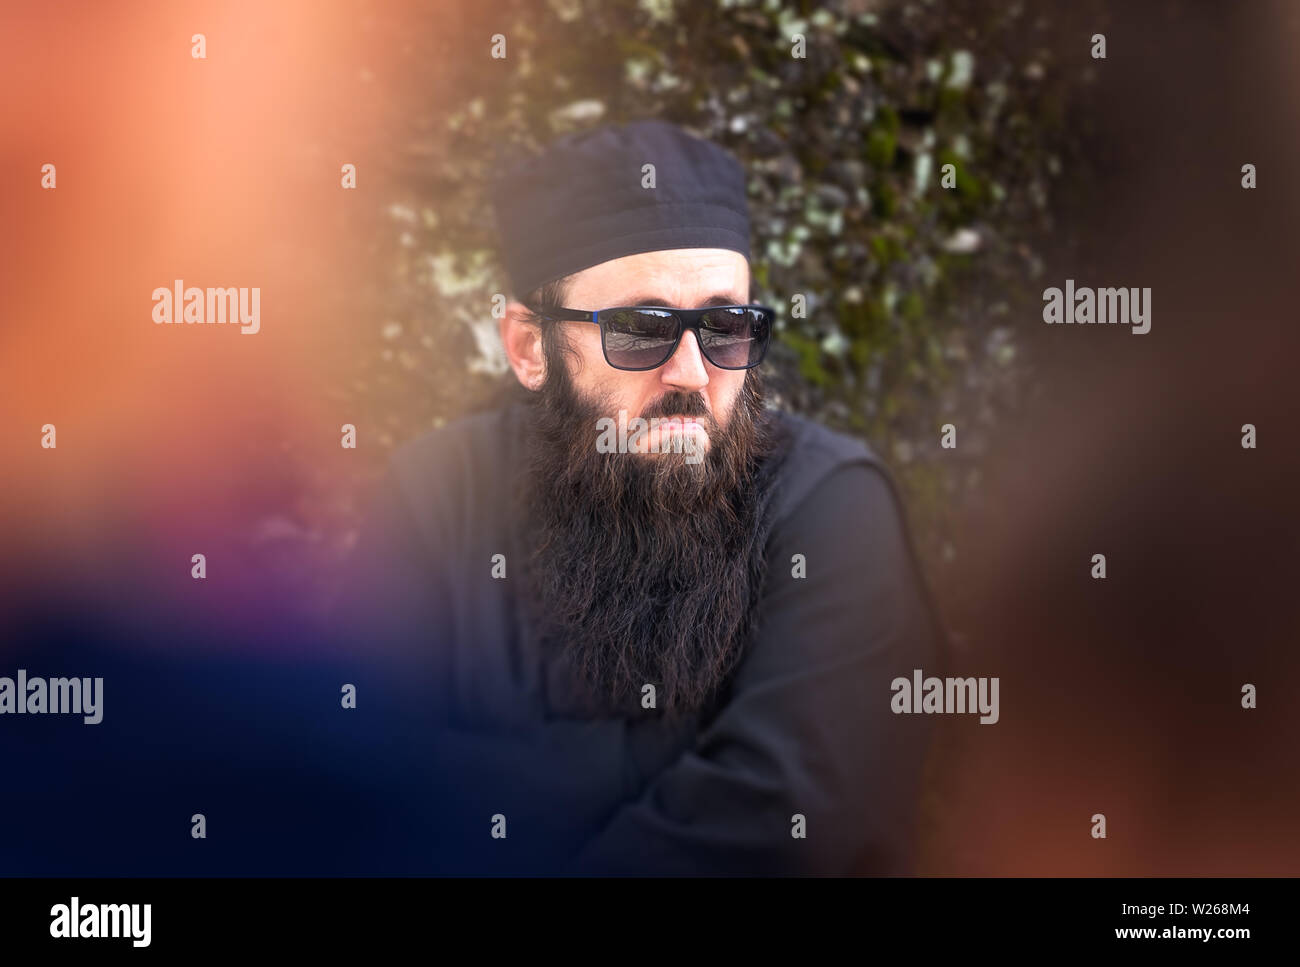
pixel 442 784
pixel 808 728
pixel 391 607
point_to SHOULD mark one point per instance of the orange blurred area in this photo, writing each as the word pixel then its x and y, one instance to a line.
pixel 222 171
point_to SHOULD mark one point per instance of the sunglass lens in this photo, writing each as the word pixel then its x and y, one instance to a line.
pixel 638 338
pixel 735 337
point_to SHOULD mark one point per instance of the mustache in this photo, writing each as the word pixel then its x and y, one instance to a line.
pixel 680 403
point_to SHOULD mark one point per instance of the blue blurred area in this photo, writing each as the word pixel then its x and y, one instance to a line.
pixel 289 781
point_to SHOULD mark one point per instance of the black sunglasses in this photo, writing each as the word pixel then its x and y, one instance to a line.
pixel 638 338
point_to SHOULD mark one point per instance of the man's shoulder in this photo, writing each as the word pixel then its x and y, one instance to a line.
pixel 432 453
pixel 812 438
pixel 814 452
pixel 452 472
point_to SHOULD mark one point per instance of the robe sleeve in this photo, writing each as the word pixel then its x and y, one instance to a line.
pixel 807 742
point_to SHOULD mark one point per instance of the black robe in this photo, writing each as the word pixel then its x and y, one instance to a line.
pixel 802 740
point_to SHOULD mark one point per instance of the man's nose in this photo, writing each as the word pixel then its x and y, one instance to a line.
pixel 685 369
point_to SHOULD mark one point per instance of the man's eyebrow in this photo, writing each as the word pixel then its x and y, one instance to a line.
pixel 717 299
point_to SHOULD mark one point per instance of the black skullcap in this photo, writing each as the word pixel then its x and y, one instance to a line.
pixel 580 202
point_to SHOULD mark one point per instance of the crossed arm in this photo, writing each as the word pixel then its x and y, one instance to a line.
pixel 808 731
pixel 805 768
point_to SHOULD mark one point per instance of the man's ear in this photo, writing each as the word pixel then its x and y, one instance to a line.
pixel 521 338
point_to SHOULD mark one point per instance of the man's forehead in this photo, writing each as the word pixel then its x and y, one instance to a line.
pixel 673 277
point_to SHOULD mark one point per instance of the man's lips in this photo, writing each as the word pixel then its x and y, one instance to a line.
pixel 679 424
pixel 665 428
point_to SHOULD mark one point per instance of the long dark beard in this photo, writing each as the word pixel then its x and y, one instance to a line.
pixel 645 568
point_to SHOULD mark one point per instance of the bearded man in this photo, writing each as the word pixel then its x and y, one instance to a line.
pixel 673 655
